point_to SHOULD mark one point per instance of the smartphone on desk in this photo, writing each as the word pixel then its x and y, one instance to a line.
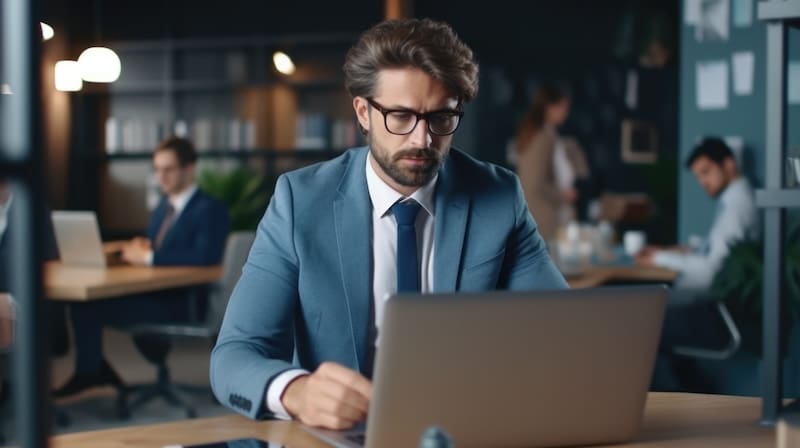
pixel 238 443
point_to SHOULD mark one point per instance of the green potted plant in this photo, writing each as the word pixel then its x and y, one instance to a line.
pixel 245 193
pixel 739 284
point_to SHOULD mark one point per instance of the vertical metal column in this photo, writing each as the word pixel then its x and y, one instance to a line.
pixel 772 372
pixel 20 158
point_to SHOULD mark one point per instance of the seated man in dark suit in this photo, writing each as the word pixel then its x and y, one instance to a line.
pixel 187 228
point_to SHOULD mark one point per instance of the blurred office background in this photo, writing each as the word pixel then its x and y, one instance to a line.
pixel 204 69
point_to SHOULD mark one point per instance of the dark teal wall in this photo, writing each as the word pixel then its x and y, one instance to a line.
pixel 745 116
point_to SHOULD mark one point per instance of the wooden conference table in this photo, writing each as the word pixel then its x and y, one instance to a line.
pixel 671 420
pixel 84 284
pixel 591 276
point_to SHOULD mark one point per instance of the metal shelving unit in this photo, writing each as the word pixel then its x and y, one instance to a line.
pixel 775 198
pixel 21 162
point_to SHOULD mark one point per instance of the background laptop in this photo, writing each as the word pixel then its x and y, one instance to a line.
pixel 78 238
pixel 555 368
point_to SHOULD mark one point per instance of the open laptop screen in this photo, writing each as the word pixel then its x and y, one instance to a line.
pixel 78 238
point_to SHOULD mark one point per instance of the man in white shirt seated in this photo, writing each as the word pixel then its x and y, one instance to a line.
pixel 715 167
pixel 692 320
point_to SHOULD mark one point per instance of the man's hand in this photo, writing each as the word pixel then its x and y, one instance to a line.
pixel 332 397
pixel 136 251
pixel 644 258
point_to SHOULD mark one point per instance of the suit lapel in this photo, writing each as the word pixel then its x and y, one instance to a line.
pixel 452 207
pixel 352 211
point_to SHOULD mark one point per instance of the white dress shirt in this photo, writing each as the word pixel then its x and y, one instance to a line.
pixel 736 220
pixel 384 264
pixel 178 202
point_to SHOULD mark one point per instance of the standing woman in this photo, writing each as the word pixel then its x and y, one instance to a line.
pixel 547 164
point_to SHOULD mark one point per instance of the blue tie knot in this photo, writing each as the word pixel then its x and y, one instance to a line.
pixel 406 212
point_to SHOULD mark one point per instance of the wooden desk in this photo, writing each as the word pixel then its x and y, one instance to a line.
pixel 671 420
pixel 593 276
pixel 83 284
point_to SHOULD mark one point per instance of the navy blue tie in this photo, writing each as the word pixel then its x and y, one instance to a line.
pixel 405 213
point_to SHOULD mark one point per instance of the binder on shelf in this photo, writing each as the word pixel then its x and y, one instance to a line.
pixel 249 135
pixel 202 134
pixel 227 134
pixel 344 133
pixel 312 131
pixel 113 136
pixel 132 135
pixel 235 135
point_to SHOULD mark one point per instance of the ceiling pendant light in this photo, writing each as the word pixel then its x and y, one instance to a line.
pixel 99 64
pixel 68 76
pixel 47 31
pixel 283 63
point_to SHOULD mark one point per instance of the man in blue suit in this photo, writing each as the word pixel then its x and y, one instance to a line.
pixel 406 213
pixel 188 228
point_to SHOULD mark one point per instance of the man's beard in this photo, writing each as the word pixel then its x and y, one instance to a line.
pixel 411 176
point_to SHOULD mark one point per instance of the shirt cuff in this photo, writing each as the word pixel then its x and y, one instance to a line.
pixel 667 259
pixel 276 389
pixel 148 260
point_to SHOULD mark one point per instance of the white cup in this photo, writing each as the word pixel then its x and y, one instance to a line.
pixel 634 241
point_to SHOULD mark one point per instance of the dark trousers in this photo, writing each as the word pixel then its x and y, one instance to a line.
pixel 88 320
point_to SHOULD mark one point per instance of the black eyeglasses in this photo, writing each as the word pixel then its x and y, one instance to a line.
pixel 404 121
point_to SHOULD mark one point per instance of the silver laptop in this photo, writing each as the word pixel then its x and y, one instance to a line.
pixel 78 239
pixel 555 368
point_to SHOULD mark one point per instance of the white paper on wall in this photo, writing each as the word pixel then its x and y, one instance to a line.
pixel 743 72
pixel 736 143
pixel 714 21
pixel 691 12
pixel 793 82
pixel 712 85
pixel 742 13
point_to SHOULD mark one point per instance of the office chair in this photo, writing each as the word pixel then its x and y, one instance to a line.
pixel 709 334
pixel 734 339
pixel 153 340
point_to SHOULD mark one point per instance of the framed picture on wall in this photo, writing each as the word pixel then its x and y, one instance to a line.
pixel 639 141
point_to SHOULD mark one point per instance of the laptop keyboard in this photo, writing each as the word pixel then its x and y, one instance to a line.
pixel 358 438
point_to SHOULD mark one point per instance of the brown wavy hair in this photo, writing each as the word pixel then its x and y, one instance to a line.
pixel 430 46
pixel 546 95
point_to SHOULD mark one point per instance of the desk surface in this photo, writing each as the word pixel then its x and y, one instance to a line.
pixel 83 284
pixel 593 276
pixel 671 420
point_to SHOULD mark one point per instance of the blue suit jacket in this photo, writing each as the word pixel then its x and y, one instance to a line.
pixel 198 235
pixel 306 289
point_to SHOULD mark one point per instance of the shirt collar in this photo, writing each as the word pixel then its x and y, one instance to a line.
pixel 383 196
pixel 736 188
pixel 180 200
